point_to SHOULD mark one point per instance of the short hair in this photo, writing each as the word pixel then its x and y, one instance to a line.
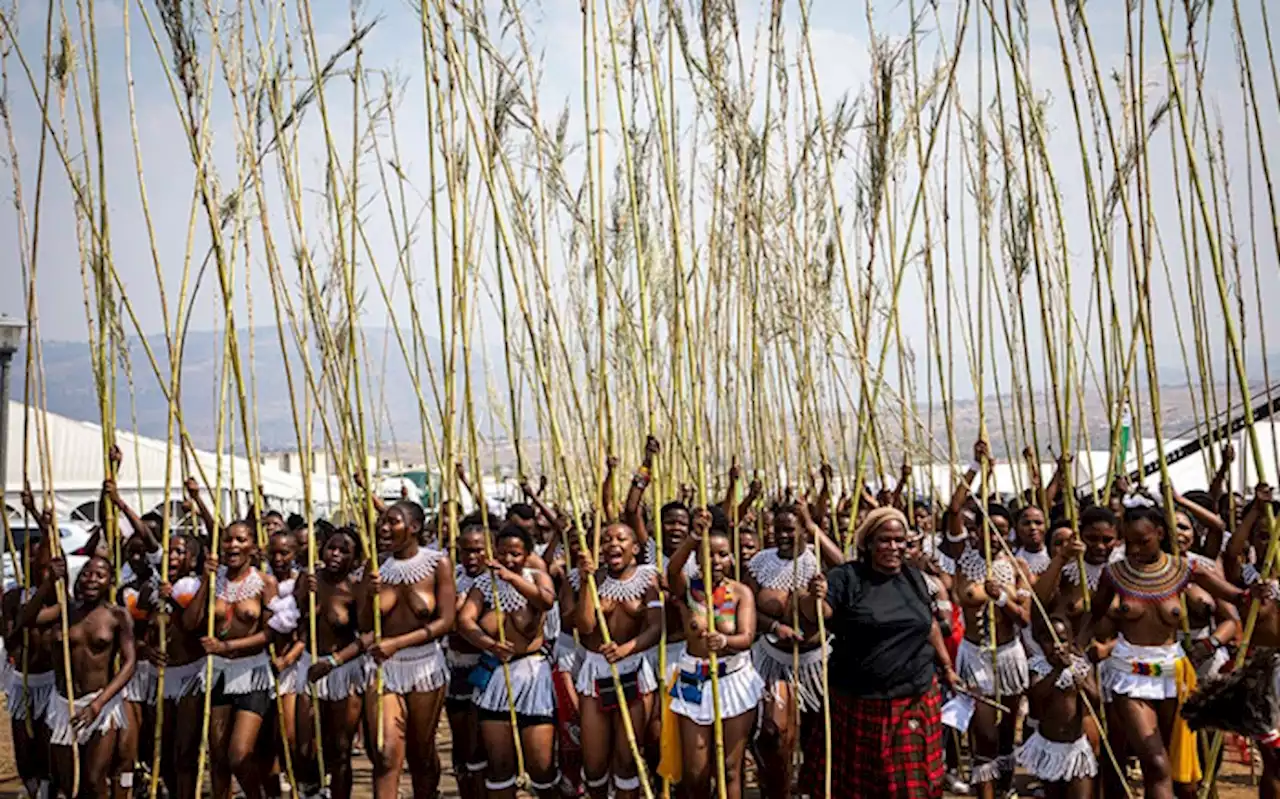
pixel 518 532
pixel 412 511
pixel 273 514
pixel 995 509
pixel 522 510
pixel 675 505
pixel 1098 514
pixel 719 519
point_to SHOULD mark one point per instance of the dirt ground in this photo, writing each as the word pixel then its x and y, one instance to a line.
pixel 1234 783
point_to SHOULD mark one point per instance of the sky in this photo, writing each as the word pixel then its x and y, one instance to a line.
pixel 840 38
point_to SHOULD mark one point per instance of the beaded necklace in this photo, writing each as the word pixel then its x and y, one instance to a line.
pixel 632 588
pixel 406 571
pixel 722 600
pixel 1155 583
pixel 462 580
pixel 776 573
pixel 1036 561
pixel 1092 573
pixel 509 597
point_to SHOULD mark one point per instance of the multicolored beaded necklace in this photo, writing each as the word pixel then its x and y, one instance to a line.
pixel 722 599
pixel 1155 582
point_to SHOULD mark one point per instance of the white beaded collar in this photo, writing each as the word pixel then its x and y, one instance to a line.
pixel 945 562
pixel 1092 573
pixel 407 571
pixel 247 587
pixel 632 588
pixel 1037 562
pixel 463 581
pixel 509 598
pixel 974 568
pixel 776 573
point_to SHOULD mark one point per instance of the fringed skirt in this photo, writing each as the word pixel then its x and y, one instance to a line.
pixel 882 749
pixel 59 718
pixel 341 682
pixel 532 689
pixel 1053 761
pixel 973 664
pixel 35 693
pixel 142 685
pixel 568 654
pixel 1141 672
pixel 777 666
pixel 594 668
pixel 184 680
pixel 246 675
pixel 741 688
pixel 288 681
pixel 415 669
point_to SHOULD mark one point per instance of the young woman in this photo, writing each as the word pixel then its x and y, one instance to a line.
pixel 339 674
pixel 1059 753
pixel 141 598
pixel 286 649
pixel 1029 525
pixel 98 633
pixel 516 674
pixel 1147 672
pixel 242 679
pixel 632 612
pixel 469 762
pixel 183 666
pixel 416 598
pixel 730 639
pixel 32 653
pixel 998 594
pixel 778 576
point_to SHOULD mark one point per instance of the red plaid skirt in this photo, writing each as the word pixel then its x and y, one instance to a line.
pixel 882 748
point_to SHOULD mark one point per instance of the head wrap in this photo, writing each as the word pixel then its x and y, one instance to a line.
pixel 876 519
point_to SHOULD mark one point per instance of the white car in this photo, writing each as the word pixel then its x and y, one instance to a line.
pixel 74 537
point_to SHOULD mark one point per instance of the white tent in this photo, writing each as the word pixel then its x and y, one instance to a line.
pixel 76 460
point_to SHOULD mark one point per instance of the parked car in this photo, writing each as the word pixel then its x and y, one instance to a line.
pixel 74 537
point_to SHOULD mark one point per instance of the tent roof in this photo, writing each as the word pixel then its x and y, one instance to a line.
pixel 75 450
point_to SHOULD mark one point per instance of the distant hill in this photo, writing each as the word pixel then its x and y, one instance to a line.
pixel 69 381
pixel 71 392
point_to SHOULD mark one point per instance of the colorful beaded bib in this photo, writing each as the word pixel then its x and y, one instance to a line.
pixel 1163 579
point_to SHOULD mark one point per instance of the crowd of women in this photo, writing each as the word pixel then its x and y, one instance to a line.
pixel 596 655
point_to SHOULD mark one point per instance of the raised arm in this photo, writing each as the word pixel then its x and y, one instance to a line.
pixel 1215 527
pixel 831 554
pixel 904 479
pixel 44 518
pixel 754 492
pixel 206 518
pixel 961 494
pixel 1054 488
pixel 38 610
pixel 606 488
pixel 112 492
pixel 1238 545
pixel 1033 476
pixel 379 505
pixel 730 502
pixel 1222 478
pixel 639 483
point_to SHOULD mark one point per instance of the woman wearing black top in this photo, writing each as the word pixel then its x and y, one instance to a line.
pixel 885 705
